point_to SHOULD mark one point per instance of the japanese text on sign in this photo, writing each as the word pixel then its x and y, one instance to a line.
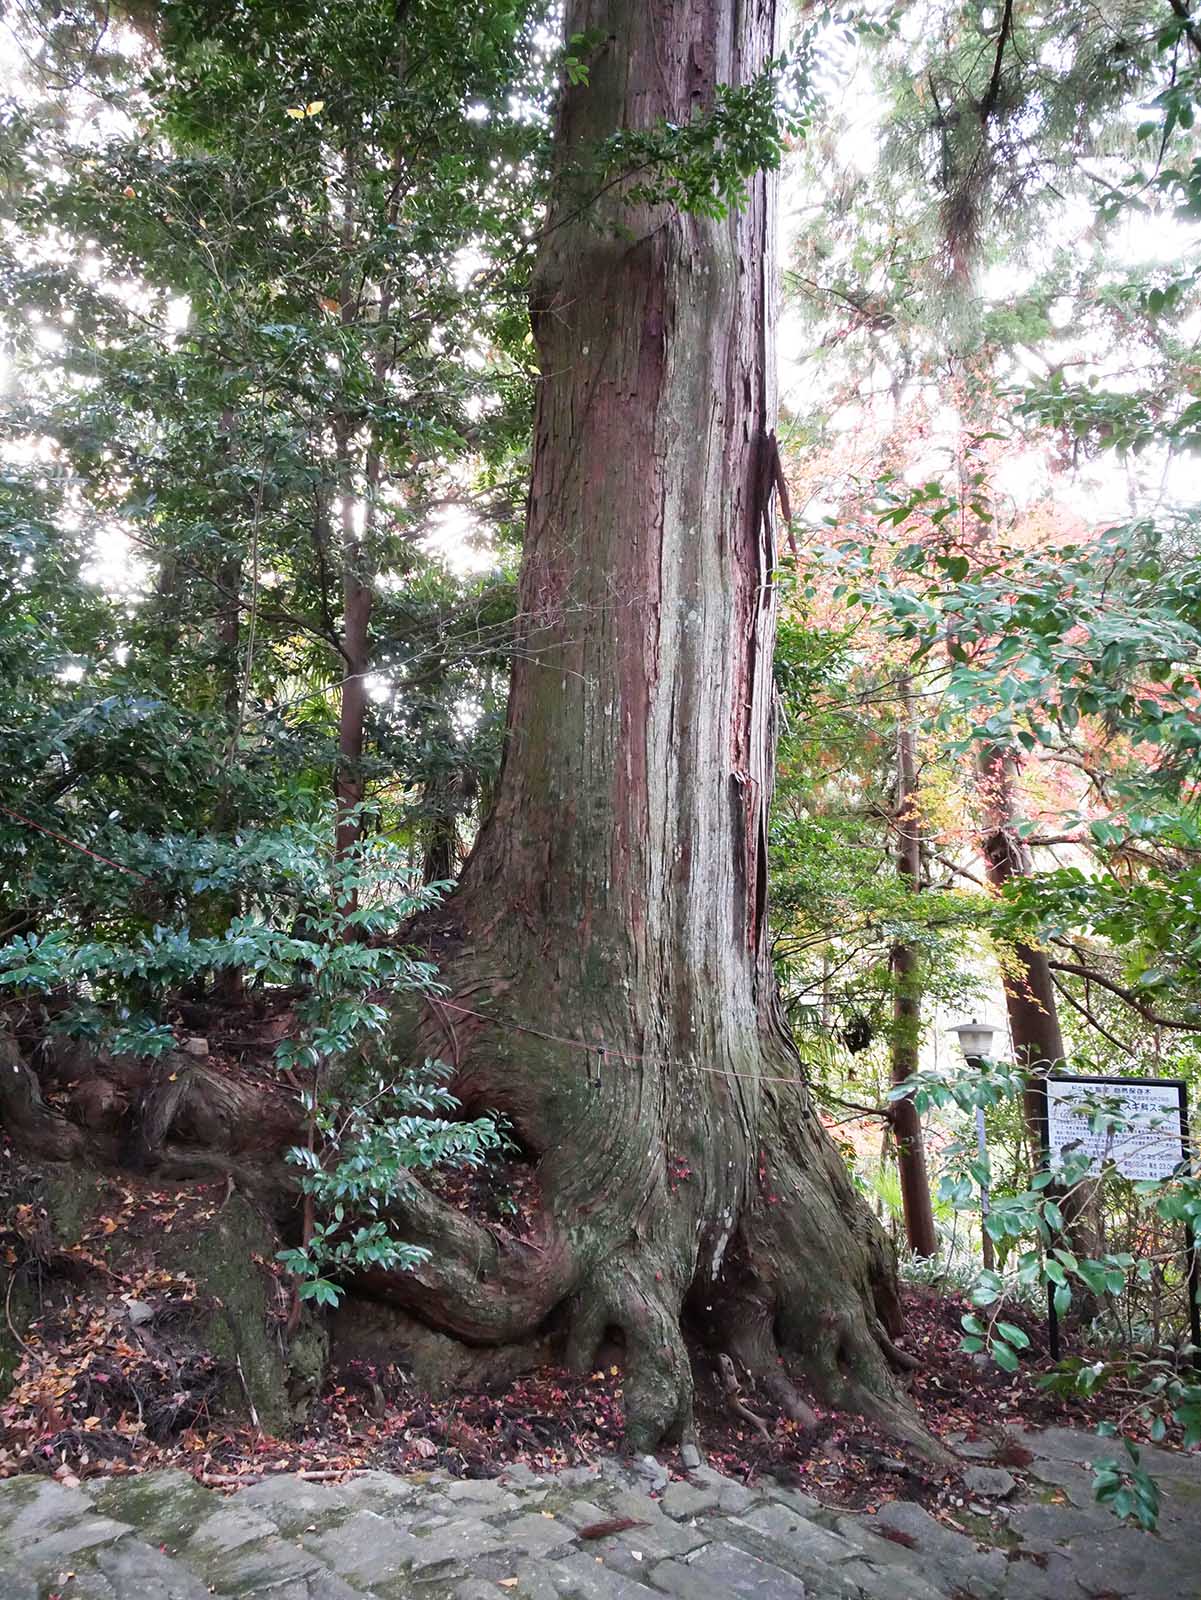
pixel 1147 1144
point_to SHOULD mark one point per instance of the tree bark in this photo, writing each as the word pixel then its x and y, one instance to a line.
pixel 357 593
pixel 441 835
pixel 227 985
pixel 1030 995
pixel 352 712
pixel 1029 991
pixel 906 1006
pixel 609 980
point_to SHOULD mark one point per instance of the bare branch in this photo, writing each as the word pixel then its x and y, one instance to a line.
pixel 1128 996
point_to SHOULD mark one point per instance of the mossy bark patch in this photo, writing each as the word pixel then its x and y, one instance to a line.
pixel 244 1327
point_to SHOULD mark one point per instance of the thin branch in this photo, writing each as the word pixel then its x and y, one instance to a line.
pixel 886 1112
pixel 1190 27
pixel 1078 1005
pixel 1078 970
pixel 62 838
pixel 273 614
pixel 959 872
pixel 989 104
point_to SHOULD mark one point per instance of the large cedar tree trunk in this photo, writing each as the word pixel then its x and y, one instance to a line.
pixel 605 957
pixel 616 896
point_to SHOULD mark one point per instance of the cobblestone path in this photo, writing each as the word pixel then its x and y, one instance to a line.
pixel 1031 1535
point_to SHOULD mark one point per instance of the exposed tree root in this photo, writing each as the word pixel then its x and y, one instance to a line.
pixel 766 1366
pixel 187 1103
pixel 768 1254
pixel 900 1359
pixel 34 1125
pixel 733 1392
pixel 480 1284
pixel 643 1306
pixel 383 1335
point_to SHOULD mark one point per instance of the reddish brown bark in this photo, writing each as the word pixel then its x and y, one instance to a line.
pixel 1029 991
pixel 609 985
pixel 357 592
pixel 352 713
pixel 615 900
pixel 226 907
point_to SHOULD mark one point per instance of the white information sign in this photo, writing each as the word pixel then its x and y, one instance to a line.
pixel 1149 1145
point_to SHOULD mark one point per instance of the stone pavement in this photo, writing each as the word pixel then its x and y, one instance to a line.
pixel 1033 1534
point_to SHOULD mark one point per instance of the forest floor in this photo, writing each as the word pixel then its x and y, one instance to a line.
pixel 110 1379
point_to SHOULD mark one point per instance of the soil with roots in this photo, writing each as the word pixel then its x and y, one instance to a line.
pixel 146 1322
pixel 639 1212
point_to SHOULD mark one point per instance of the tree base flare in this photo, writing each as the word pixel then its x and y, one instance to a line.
pixel 707 1214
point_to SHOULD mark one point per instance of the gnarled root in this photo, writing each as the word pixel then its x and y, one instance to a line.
pixel 900 1360
pixel 36 1126
pixel 657 1196
pixel 733 1389
pixel 185 1106
pixel 810 1267
pixel 383 1335
pixel 742 1330
pixel 480 1284
pixel 626 1295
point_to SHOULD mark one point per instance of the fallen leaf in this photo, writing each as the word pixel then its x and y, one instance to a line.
pixel 601 1530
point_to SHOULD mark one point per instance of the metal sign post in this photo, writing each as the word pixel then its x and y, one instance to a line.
pixel 1052 1314
pixel 1154 1144
pixel 986 1245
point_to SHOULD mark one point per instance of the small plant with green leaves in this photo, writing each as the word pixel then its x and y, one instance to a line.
pixel 366 1131
pixel 1126 1487
pixel 365 1145
pixel 1159 1390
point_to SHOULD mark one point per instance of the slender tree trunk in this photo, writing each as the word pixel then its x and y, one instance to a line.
pixel 906 1006
pixel 225 907
pixel 357 593
pixel 609 980
pixel 358 545
pixel 357 597
pixel 438 861
pixel 1030 993
pixel 228 986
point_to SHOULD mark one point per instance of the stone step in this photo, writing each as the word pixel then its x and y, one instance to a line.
pixel 162 1536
